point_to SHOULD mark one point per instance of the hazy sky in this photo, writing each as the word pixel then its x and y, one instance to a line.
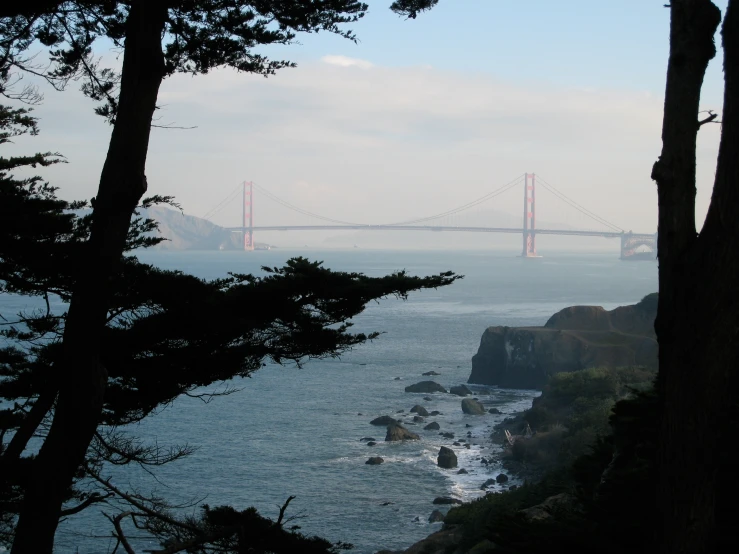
pixel 418 117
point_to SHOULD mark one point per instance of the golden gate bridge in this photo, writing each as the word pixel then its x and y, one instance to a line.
pixel 634 246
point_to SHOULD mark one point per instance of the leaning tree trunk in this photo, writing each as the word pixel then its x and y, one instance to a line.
pixel 698 312
pixel 83 379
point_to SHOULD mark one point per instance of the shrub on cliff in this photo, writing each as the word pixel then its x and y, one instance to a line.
pixel 616 494
pixel 573 412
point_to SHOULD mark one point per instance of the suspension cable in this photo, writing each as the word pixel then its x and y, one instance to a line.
pixel 287 204
pixel 472 204
pixel 562 196
pixel 222 204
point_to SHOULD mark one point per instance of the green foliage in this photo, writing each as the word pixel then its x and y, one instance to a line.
pixel 613 482
pixel 573 413
pixel 199 36
pixel 411 8
pixel 224 529
pixel 166 333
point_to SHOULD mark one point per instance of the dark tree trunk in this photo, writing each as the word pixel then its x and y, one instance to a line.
pixel 698 313
pixel 83 379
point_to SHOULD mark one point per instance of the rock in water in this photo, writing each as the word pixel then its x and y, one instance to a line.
pixel 433 426
pixel 501 478
pixel 472 407
pixel 430 373
pixel 436 516
pixel 374 461
pixel 396 432
pixel 494 411
pixel 425 386
pixel 446 458
pixel 446 500
pixel 383 420
pixel 420 410
pixel 460 390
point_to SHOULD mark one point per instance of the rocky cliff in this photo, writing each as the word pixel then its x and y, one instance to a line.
pixel 188 232
pixel 574 338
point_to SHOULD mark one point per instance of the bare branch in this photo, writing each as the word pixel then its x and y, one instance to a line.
pixel 116 521
pixel 711 117
pixel 138 504
pixel 94 498
pixel 282 510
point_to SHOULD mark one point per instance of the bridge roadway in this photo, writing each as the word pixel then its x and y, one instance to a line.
pixel 517 230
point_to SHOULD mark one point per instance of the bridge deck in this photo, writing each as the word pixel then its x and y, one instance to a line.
pixel 437 228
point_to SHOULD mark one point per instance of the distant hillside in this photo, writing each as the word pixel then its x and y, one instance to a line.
pixel 188 232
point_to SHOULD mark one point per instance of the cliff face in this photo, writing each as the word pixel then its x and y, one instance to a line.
pixel 187 232
pixel 574 338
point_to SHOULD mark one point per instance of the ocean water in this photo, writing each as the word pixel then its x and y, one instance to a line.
pixel 293 431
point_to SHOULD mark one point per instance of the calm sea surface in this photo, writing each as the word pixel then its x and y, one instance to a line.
pixel 297 431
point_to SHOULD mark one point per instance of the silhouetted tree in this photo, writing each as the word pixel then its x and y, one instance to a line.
pixel 158 38
pixel 698 311
pixel 164 333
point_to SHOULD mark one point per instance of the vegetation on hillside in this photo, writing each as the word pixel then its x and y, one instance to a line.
pixel 600 449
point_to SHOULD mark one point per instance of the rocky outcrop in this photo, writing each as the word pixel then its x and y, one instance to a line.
pixel 436 516
pixel 446 500
pixel 420 410
pixel 472 406
pixel 396 432
pixel 446 458
pixel 425 386
pixel 573 339
pixel 383 420
pixel 558 503
pixel 446 540
pixel 460 390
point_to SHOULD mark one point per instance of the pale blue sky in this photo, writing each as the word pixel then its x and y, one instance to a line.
pixel 419 116
pixel 574 43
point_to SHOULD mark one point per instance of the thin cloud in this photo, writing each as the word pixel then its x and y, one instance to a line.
pixel 345 61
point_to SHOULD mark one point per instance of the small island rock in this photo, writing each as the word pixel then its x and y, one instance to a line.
pixel 374 461
pixel 472 407
pixel 383 420
pixel 446 458
pixel 425 386
pixel 396 432
pixel 460 390
pixel 420 410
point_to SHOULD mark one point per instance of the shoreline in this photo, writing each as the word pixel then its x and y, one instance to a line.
pixel 492 449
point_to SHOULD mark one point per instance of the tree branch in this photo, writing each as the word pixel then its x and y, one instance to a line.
pixel 116 521
pixel 31 422
pixel 711 117
pixel 94 498
pixel 282 510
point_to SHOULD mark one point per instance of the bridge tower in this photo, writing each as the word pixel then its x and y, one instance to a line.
pixel 529 217
pixel 247 217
